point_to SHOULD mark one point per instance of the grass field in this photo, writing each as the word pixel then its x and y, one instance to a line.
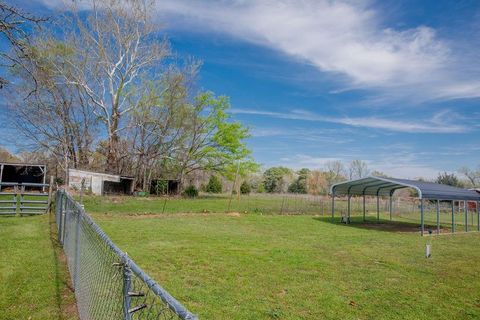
pixel 253 266
pixel 33 279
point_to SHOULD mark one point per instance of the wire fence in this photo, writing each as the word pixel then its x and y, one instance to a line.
pixel 107 283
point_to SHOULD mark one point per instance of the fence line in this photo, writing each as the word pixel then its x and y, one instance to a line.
pixel 107 283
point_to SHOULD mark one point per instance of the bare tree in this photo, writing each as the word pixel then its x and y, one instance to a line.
pixel 335 172
pixel 52 115
pixel 115 49
pixel 473 176
pixel 358 169
pixel 12 23
pixel 157 125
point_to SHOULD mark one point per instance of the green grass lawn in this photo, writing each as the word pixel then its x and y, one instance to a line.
pixel 33 279
pixel 252 266
pixel 255 203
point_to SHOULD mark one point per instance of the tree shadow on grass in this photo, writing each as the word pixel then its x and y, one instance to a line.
pixel 380 225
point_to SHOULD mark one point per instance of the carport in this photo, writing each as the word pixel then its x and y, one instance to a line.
pixel 385 187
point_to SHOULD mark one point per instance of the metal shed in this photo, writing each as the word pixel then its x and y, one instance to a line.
pixel 100 183
pixel 385 187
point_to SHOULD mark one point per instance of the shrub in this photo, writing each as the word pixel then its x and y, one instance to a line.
pixel 245 188
pixel 214 185
pixel 261 188
pixel 190 192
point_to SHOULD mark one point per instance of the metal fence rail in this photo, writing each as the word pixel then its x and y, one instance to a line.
pixel 107 283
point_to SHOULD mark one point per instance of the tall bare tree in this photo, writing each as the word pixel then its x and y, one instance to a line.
pixel 12 24
pixel 50 113
pixel 157 125
pixel 473 176
pixel 116 48
pixel 334 172
pixel 358 169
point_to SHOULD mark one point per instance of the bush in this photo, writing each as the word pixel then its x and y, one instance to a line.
pixel 245 188
pixel 214 185
pixel 261 188
pixel 190 192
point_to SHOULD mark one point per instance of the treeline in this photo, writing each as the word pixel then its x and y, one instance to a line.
pixel 102 89
pixel 319 181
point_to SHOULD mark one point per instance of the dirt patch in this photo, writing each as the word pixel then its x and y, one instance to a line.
pixel 234 214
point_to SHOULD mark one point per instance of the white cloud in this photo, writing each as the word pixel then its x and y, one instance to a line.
pixel 345 38
pixel 441 122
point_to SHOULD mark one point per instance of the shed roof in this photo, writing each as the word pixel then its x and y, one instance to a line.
pixel 386 186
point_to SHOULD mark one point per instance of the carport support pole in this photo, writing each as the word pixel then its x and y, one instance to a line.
pixel 465 211
pixel 453 216
pixel 349 207
pixel 438 216
pixel 364 208
pixel 478 216
pixel 333 206
pixel 391 209
pixel 378 207
pixel 422 218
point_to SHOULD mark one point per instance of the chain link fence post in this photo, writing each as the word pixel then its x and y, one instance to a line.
pixel 76 272
pixel 59 211
pixel 127 283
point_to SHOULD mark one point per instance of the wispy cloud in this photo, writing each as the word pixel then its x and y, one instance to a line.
pixel 440 122
pixel 401 167
pixel 344 38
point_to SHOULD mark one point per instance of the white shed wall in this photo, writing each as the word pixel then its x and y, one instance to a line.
pixel 93 180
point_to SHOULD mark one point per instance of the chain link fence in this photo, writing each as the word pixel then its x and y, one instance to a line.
pixel 107 283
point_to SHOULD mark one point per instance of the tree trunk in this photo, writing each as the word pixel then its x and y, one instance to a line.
pixel 113 140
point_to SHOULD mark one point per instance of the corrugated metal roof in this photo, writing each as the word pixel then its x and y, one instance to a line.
pixel 386 186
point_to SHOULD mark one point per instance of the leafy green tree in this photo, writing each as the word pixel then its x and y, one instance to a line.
pixel 275 178
pixel 245 188
pixel 449 179
pixel 300 184
pixel 214 185
pixel 212 142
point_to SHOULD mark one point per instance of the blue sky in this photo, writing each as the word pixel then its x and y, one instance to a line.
pixel 394 83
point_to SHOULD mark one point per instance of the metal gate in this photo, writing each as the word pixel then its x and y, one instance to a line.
pixel 24 198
